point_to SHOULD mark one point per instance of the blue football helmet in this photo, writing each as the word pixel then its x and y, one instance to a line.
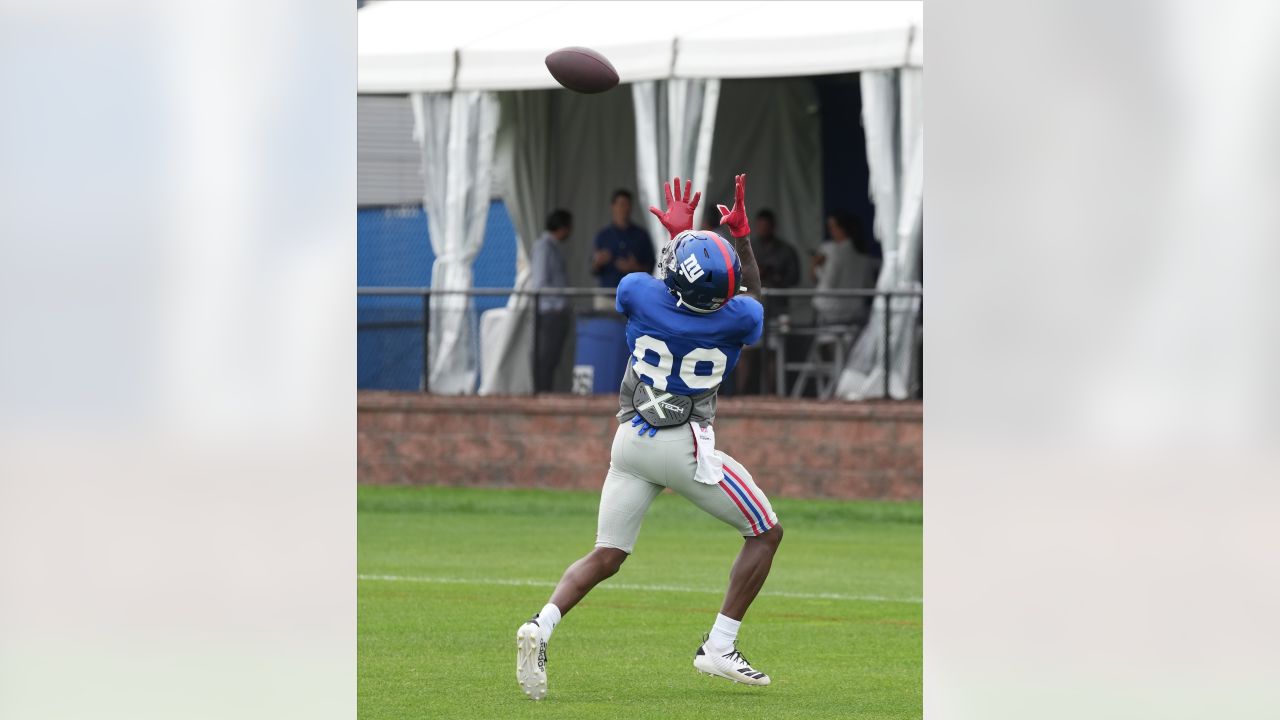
pixel 702 270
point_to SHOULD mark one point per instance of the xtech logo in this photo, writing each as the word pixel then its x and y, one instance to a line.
pixel 691 269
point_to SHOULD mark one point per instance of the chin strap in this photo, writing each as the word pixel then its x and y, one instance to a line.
pixel 680 302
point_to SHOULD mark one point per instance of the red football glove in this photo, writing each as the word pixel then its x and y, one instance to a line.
pixel 679 214
pixel 736 219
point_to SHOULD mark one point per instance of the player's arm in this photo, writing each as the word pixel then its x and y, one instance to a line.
pixel 736 219
pixel 750 270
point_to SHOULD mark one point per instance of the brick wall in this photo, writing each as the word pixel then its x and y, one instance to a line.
pixel 792 448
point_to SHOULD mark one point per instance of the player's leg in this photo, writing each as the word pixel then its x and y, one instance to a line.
pixel 532 637
pixel 749 571
pixel 624 500
pixel 590 570
pixel 740 503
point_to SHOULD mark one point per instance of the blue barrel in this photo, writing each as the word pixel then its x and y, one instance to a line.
pixel 602 346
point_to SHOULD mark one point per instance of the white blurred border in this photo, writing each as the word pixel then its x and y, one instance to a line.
pixel 177 435
pixel 1101 412
pixel 176 382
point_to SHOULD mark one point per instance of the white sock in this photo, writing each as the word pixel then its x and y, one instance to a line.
pixel 723 634
pixel 548 619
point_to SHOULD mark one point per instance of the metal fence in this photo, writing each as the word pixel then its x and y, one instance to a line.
pixel 409 309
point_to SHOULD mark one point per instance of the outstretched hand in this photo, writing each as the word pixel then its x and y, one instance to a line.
pixel 679 214
pixel 736 218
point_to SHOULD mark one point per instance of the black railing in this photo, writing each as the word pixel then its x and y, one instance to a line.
pixel 426 294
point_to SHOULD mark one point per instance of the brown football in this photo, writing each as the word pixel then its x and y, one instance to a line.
pixel 582 70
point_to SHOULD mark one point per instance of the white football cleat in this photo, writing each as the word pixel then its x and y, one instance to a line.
pixel 531 659
pixel 730 665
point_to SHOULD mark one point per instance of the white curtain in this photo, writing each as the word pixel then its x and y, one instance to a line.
pixel 781 149
pixel 522 157
pixel 675 121
pixel 593 153
pixel 455 132
pixel 892 119
pixel 584 147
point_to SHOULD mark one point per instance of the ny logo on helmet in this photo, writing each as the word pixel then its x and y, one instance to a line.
pixel 691 269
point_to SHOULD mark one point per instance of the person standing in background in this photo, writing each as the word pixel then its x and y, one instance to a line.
pixel 779 263
pixel 844 262
pixel 554 314
pixel 621 248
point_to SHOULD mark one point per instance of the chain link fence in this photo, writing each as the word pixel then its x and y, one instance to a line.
pixel 797 357
pixel 797 360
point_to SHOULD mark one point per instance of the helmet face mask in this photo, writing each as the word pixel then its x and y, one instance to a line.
pixel 701 269
pixel 667 257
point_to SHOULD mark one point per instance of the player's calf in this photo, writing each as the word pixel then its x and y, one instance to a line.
pixel 590 570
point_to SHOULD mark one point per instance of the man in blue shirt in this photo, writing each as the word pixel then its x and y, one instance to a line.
pixel 621 248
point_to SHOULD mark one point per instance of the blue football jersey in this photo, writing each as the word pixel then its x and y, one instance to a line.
pixel 676 349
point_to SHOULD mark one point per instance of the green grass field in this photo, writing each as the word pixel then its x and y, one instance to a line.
pixel 446 576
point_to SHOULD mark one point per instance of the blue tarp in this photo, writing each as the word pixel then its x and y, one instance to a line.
pixel 393 249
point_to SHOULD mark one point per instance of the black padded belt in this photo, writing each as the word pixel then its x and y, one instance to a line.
pixel 660 408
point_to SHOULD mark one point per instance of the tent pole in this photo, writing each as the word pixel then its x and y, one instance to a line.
pixel 426 342
pixel 537 300
pixel 886 346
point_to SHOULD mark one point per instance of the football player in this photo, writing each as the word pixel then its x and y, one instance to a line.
pixel 685 329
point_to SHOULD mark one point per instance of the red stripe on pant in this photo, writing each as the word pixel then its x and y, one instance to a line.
pixel 754 528
pixel 764 511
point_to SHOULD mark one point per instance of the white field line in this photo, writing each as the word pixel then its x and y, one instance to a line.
pixel 630 586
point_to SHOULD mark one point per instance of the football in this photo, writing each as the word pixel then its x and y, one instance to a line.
pixel 582 70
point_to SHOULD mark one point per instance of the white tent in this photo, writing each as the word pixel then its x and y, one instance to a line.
pixel 459 60
pixel 426 46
